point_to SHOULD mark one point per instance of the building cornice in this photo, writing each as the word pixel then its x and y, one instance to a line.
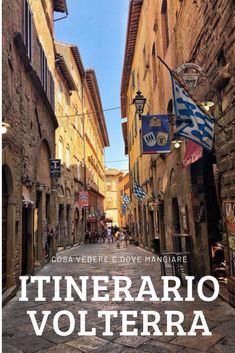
pixel 132 30
pixel 124 133
pixel 78 60
pixel 62 66
pixel 96 100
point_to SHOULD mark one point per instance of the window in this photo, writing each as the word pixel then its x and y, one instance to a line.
pixel 154 65
pixel 67 156
pixel 60 149
pixel 221 60
pixel 136 118
pixel 164 21
pixel 144 59
pixel 79 170
pixel 47 79
pixel 109 187
pixel 27 29
pixel 138 81
pixel 133 79
pixel 44 69
pixel 109 203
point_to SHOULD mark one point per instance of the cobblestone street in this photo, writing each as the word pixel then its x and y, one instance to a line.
pixel 19 335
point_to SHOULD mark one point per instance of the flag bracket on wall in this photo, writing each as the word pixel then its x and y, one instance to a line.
pixel 173 119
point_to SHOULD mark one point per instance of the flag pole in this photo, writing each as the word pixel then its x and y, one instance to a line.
pixel 223 128
pixel 165 64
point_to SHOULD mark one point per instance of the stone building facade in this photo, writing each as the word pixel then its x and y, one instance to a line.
pixel 80 141
pixel 28 146
pixel 70 78
pixel 96 139
pixel 123 188
pixel 193 199
pixel 113 177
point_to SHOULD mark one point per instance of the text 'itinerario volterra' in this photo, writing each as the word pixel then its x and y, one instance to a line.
pixel 115 289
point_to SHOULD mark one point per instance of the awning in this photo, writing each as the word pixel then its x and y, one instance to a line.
pixel 108 220
pixel 91 220
pixel 193 153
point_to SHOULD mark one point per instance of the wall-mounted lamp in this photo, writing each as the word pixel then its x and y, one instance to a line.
pixel 207 104
pixel 39 187
pixel 139 102
pixel 27 181
pixel 4 127
pixel 176 141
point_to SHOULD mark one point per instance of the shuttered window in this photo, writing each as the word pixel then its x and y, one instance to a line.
pixel 27 29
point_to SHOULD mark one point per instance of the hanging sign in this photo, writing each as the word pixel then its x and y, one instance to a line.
pixel 55 168
pixel 155 134
pixel 83 199
pixel 192 75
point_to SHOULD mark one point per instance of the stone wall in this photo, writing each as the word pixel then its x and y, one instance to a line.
pixel 31 117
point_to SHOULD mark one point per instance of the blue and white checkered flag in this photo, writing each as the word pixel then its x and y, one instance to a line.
pixel 125 199
pixel 138 191
pixel 192 123
pixel 123 209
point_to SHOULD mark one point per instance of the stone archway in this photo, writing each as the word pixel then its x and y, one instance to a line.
pixel 8 226
pixel 44 212
pixel 76 226
pixel 60 216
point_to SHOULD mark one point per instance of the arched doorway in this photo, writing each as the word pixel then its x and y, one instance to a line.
pixel 4 230
pixel 61 217
pixel 8 227
pixel 76 226
pixel 68 218
pixel 43 210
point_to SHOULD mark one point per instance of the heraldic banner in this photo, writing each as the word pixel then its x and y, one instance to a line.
pixel 155 134
pixel 83 199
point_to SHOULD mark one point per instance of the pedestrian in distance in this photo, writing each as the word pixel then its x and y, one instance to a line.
pixel 109 233
pixel 126 238
pixel 49 238
pixel 113 233
pixel 86 237
pixel 118 238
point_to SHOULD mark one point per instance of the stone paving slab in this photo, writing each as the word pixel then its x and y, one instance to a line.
pixel 226 345
pixel 199 342
pixel 6 347
pixel 87 344
pixel 21 331
pixel 133 342
pixel 31 344
pixel 160 347
pixel 60 348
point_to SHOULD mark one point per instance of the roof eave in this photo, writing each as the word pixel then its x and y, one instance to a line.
pixel 124 134
pixel 132 31
pixel 65 72
pixel 95 95
pixel 78 60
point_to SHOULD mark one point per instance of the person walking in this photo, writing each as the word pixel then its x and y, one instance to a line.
pixel 126 237
pixel 118 238
pixel 109 233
